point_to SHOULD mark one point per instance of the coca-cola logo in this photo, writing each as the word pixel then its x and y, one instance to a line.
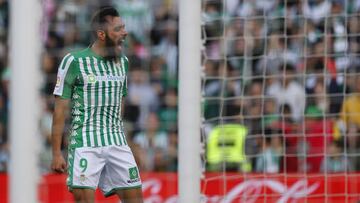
pixel 248 191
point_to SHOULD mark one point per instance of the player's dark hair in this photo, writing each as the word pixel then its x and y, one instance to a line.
pixel 99 20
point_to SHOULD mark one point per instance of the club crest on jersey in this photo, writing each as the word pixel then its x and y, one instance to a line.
pixel 91 78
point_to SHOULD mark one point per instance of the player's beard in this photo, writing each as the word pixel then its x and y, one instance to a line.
pixel 110 46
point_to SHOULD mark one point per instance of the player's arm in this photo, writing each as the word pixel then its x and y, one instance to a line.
pixel 61 107
pixel 66 77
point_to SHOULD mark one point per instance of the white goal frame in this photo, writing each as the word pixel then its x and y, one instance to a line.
pixel 25 47
pixel 189 170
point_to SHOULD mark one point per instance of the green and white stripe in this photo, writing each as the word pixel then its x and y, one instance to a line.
pixel 111 105
pixel 86 138
pixel 107 100
pixel 96 88
pixel 117 103
pixel 93 105
pixel 99 110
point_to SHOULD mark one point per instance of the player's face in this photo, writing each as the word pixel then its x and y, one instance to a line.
pixel 115 36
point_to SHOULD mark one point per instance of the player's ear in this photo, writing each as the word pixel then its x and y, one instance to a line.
pixel 101 35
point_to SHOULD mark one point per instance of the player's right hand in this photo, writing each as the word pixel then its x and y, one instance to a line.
pixel 58 164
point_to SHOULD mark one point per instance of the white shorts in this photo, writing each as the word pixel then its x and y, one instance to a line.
pixel 110 167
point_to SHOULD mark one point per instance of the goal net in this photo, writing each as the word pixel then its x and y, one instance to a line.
pixel 280 97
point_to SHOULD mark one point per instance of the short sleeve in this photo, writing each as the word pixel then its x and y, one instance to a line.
pixel 66 76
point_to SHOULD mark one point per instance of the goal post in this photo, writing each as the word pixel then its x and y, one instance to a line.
pixel 189 100
pixel 25 46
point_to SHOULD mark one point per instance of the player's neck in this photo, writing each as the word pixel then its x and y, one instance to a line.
pixel 98 49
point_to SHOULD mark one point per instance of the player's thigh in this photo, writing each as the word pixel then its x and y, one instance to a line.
pixel 120 171
pixel 84 195
pixel 85 167
pixel 130 196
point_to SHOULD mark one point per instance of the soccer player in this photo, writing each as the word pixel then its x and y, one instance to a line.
pixel 93 82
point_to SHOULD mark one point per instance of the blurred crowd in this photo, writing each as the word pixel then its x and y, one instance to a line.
pixel 286 74
pixel 281 81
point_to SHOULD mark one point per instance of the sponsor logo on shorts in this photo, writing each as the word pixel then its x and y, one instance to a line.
pixel 134 175
pixel 82 178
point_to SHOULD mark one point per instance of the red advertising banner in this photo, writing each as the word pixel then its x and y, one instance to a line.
pixel 222 188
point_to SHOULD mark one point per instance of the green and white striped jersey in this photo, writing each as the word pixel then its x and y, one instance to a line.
pixel 96 87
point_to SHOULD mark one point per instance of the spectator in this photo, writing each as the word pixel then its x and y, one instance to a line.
pixel 353 145
pixel 226 148
pixel 336 161
pixel 154 142
pixel 350 110
pixel 167 48
pixel 172 152
pixel 4 17
pixel 137 16
pixel 168 111
pixel 158 76
pixel 268 160
pixel 142 95
pixel 289 91
pixel 271 113
pixel 289 129
pixel 45 130
pixel 319 102
pixel 4 157
pixel 317 10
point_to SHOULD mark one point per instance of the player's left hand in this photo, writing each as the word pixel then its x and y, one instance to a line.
pixel 58 164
